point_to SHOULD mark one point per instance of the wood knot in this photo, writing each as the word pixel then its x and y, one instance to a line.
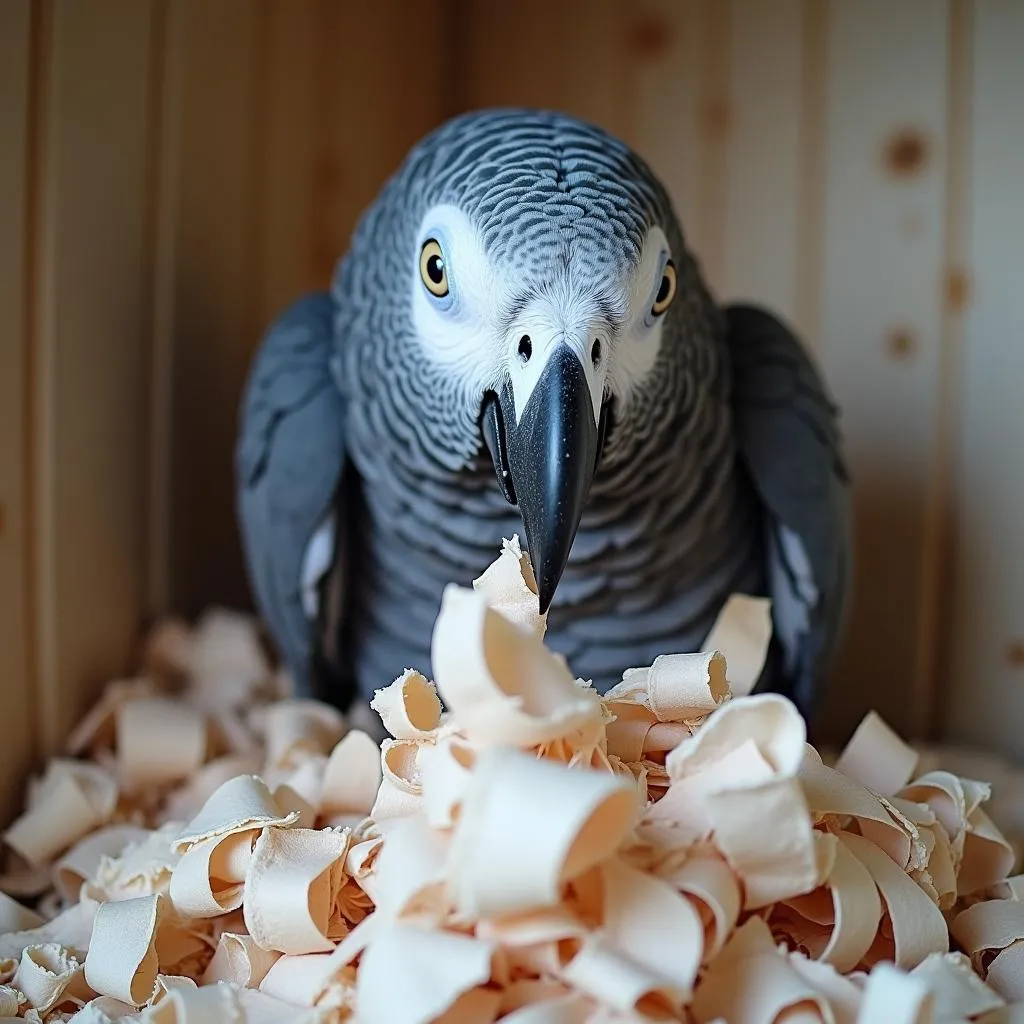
pixel 715 117
pixel 900 343
pixel 1015 654
pixel 327 176
pixel 906 153
pixel 649 36
pixel 957 290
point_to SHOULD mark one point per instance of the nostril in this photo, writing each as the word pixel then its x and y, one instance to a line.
pixel 595 352
pixel 525 348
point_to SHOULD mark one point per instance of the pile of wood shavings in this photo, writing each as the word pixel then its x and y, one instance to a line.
pixel 210 851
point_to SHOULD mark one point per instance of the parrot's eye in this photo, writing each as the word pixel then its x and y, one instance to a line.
pixel 667 291
pixel 432 270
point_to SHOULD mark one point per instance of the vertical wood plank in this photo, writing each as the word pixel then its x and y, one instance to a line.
pixel 165 156
pixel 290 124
pixel 216 303
pixel 807 317
pixel 882 322
pixel 715 123
pixel 986 664
pixel 674 120
pixel 764 179
pixel 90 353
pixel 937 591
pixel 291 191
pixel 570 56
pixel 375 103
pixel 18 749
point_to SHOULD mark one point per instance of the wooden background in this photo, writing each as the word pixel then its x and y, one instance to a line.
pixel 173 171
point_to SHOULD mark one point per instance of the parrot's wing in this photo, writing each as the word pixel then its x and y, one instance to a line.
pixel 788 431
pixel 288 462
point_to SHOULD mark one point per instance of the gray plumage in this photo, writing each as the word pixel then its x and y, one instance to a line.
pixel 721 470
pixel 289 463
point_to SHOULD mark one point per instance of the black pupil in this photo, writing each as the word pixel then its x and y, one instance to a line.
pixel 663 291
pixel 435 269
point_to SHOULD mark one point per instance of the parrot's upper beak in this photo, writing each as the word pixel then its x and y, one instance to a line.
pixel 545 463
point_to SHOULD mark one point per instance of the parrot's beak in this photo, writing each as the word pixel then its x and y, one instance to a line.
pixel 545 464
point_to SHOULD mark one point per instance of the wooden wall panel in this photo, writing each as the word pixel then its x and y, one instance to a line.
pixel 885 149
pixel 89 353
pixel 986 664
pixel 165 178
pixel 289 124
pixel 570 56
pixel 18 746
pixel 197 166
pixel 764 182
pixel 679 115
pixel 375 102
pixel 338 118
pixel 292 169
pixel 216 279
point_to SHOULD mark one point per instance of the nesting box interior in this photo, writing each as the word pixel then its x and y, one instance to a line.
pixel 172 172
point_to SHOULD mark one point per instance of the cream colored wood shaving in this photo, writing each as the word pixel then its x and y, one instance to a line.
pixel 122 960
pixel 519 849
pixel 160 740
pixel 742 633
pixel 510 587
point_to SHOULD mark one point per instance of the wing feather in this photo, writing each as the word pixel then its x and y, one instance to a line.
pixel 289 458
pixel 788 430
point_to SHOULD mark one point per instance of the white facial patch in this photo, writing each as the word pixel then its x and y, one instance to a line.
pixel 459 329
pixel 562 319
pixel 465 331
pixel 639 341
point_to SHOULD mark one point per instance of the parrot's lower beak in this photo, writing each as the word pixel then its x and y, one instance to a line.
pixel 545 464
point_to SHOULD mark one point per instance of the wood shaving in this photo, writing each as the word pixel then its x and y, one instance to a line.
pixel 519 848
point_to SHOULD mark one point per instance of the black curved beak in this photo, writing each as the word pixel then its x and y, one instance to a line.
pixel 546 463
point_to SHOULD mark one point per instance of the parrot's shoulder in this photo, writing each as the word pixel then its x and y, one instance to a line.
pixel 292 374
pixel 784 414
pixel 289 459
pixel 787 427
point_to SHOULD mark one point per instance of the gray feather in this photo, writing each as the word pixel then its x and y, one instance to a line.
pixel 289 459
pixel 788 434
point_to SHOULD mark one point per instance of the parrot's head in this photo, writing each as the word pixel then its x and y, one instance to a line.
pixel 541 268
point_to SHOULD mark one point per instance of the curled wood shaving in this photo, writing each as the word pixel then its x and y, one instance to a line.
pixel 519 848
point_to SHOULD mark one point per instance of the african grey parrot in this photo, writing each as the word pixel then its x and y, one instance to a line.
pixel 518 341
